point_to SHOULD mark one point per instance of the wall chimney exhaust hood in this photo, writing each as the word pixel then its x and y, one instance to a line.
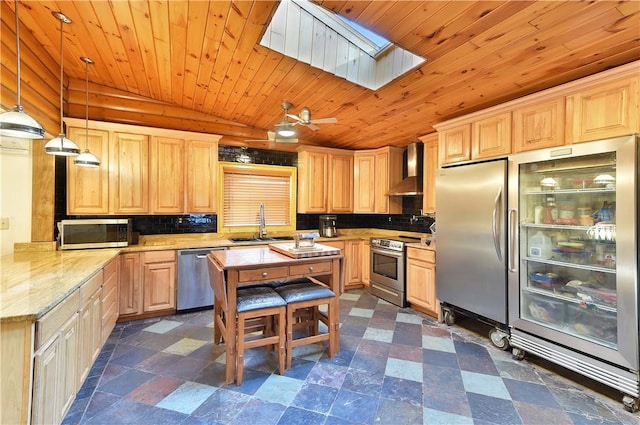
pixel 411 185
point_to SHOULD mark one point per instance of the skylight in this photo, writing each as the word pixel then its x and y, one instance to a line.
pixel 311 34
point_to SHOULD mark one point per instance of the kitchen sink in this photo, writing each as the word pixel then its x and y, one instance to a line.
pixel 267 239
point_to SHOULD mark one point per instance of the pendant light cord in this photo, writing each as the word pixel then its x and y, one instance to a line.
pixel 17 53
pixel 86 111
pixel 61 75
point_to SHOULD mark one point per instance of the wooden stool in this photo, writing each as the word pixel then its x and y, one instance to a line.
pixel 257 307
pixel 303 300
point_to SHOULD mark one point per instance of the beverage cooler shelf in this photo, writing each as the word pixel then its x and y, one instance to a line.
pixel 562 295
pixel 570 191
pixel 592 267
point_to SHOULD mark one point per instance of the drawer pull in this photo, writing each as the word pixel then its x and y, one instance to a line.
pixel 311 268
pixel 265 274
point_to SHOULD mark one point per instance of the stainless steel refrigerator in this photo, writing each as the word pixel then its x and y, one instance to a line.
pixel 471 271
pixel 573 260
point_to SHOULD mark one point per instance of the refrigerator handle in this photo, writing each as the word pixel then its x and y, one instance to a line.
pixel 494 223
pixel 513 219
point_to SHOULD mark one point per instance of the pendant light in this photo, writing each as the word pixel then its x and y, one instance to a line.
pixel 60 145
pixel 86 158
pixel 16 122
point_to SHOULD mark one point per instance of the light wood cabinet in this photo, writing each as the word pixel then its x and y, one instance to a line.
pixel 147 284
pixel 491 136
pixel 352 251
pixel 539 125
pixel 325 180
pixel 341 182
pixel 89 325
pixel 455 144
pixel 166 175
pixel 366 263
pixel 129 174
pixel 421 280
pixel 143 170
pixel 88 188
pixel 201 176
pixel 375 171
pixel 429 173
pixel 109 307
pixel 604 111
pixel 159 281
pixel 130 297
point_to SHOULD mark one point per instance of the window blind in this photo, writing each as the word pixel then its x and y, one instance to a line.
pixel 244 192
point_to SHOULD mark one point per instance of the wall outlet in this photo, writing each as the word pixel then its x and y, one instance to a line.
pixel 4 223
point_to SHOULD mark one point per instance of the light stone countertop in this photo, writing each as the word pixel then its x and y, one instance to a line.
pixel 32 282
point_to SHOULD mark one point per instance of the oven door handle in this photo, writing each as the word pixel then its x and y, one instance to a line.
pixel 387 252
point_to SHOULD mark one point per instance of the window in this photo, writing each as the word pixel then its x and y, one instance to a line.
pixel 246 186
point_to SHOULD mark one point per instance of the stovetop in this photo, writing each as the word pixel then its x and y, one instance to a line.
pixel 394 243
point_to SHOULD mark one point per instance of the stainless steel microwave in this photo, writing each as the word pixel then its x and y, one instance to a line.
pixel 94 233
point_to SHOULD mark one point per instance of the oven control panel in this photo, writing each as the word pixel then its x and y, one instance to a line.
pixel 388 244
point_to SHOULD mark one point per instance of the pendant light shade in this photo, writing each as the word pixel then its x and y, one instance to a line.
pixel 16 122
pixel 86 158
pixel 60 145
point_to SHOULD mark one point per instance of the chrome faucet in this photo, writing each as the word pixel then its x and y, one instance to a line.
pixel 263 226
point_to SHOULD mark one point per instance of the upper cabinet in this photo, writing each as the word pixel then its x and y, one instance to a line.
pixel 430 142
pixel 375 171
pixel 539 125
pixel 604 111
pixel 142 171
pixel 325 180
pixel 597 107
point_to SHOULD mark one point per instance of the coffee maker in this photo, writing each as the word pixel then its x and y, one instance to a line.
pixel 327 226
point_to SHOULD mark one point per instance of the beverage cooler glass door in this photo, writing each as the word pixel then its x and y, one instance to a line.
pixel 573 273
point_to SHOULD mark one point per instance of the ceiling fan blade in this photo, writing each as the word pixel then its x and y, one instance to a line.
pixel 312 126
pixel 330 120
pixel 295 117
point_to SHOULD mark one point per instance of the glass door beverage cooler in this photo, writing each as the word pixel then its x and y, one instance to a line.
pixel 573 260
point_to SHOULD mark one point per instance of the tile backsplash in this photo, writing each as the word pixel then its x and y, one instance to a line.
pixel 410 220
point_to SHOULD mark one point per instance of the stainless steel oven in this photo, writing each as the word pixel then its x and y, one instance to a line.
pixel 388 267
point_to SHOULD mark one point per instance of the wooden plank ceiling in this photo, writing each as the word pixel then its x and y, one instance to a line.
pixel 198 65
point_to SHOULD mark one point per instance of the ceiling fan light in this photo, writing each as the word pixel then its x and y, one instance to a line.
pixel 61 146
pixel 87 159
pixel 286 130
pixel 17 123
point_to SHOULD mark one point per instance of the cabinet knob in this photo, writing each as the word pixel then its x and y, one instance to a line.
pixel 311 268
pixel 265 274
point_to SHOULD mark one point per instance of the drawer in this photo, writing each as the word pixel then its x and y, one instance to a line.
pixel 422 254
pixel 311 268
pixel 51 322
pixel 109 297
pixel 90 287
pixel 159 256
pixel 269 273
pixel 110 269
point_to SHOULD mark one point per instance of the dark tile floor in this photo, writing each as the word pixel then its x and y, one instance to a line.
pixel 396 367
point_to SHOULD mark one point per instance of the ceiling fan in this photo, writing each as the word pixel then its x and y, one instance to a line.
pixel 273 137
pixel 304 118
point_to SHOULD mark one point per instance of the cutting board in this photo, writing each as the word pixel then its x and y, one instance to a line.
pixel 290 250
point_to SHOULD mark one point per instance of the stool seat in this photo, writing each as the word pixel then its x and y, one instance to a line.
pixel 298 292
pixel 258 297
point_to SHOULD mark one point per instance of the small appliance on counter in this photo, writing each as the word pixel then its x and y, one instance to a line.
pixel 328 226
pixel 94 233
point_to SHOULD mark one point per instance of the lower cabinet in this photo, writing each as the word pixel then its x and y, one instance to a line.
pixel 147 284
pixel 366 262
pixel 421 280
pixel 352 251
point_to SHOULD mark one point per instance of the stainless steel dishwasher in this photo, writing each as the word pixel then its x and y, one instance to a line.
pixel 194 290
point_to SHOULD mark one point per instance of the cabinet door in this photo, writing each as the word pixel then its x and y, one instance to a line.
pixel 129 174
pixel 455 144
pixel 381 179
pixel 109 299
pixel 90 335
pixel 341 190
pixel 366 262
pixel 491 137
pixel 202 176
pixel 421 288
pixel 429 174
pixel 609 110
pixel 539 126
pixel 159 286
pixel 46 386
pixel 88 188
pixel 364 171
pixel 130 295
pixel 166 175
pixel 312 182
pixel 353 273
